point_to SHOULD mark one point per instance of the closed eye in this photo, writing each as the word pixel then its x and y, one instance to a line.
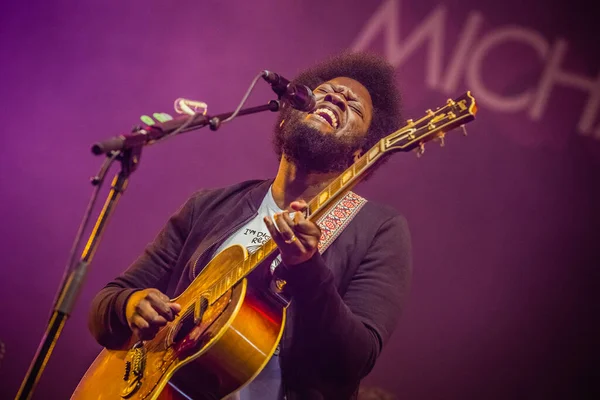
pixel 356 110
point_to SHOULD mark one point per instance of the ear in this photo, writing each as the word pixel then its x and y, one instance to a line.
pixel 357 154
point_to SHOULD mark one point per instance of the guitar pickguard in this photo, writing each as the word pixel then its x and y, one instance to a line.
pixel 145 367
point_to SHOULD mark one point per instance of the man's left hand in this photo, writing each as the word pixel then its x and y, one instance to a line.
pixel 297 238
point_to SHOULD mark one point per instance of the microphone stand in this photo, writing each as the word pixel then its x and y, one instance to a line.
pixel 127 149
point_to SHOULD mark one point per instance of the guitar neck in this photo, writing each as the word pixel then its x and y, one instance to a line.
pixel 414 135
pixel 316 207
pixel 344 182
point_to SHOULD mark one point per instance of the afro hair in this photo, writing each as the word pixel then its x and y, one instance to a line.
pixel 375 74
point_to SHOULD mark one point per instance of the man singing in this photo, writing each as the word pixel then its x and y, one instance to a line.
pixel 345 303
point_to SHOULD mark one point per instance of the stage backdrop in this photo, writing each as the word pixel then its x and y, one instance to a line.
pixel 503 221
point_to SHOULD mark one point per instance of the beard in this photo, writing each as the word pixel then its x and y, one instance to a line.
pixel 311 150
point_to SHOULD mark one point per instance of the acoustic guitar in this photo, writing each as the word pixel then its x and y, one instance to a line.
pixel 227 332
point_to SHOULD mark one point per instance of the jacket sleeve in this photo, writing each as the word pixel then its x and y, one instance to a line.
pixel 152 269
pixel 340 338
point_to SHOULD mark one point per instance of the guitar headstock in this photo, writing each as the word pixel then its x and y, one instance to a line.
pixel 434 125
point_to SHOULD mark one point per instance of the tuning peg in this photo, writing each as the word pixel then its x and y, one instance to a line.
pixel 464 129
pixel 430 113
pixel 450 102
pixel 421 150
pixel 441 139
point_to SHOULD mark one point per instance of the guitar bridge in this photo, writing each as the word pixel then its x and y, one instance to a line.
pixel 135 364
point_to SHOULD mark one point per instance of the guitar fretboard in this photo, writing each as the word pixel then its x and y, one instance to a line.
pixel 435 124
pixel 317 206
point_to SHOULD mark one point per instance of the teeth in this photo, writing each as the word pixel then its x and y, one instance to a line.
pixel 321 118
pixel 330 113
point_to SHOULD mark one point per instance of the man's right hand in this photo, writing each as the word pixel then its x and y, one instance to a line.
pixel 149 310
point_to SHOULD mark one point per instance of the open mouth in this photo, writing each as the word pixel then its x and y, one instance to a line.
pixel 328 116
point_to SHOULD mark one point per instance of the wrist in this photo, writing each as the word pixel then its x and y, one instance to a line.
pixel 306 277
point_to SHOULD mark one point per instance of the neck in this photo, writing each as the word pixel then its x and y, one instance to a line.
pixel 292 183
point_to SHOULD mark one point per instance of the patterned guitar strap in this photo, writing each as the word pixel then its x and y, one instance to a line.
pixel 332 224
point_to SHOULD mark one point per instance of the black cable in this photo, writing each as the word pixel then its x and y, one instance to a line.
pixel 237 110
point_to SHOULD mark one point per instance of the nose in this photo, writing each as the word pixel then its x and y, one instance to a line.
pixel 336 99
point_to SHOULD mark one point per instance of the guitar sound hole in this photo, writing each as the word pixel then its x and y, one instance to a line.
pixel 188 322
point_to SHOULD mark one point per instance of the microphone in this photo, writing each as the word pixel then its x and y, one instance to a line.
pixel 299 97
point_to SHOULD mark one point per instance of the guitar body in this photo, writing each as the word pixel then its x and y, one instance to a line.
pixel 208 352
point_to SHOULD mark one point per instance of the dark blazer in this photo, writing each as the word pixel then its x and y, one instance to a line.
pixel 346 302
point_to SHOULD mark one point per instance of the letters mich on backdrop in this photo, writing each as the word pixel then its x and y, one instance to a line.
pixel 470 51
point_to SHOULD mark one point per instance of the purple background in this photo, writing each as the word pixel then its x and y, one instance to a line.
pixel 504 221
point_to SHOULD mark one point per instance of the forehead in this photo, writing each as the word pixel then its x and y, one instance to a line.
pixel 356 87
